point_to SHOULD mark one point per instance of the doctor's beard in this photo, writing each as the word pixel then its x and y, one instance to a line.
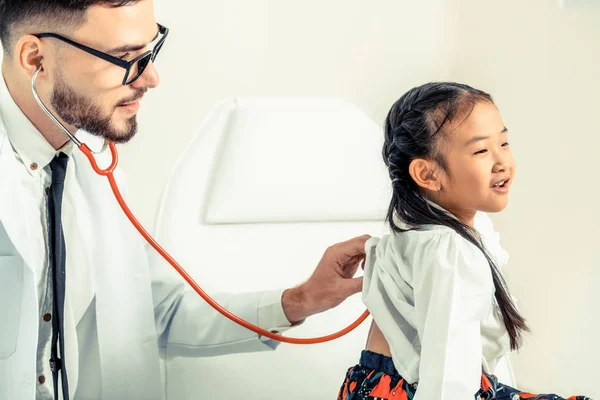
pixel 81 112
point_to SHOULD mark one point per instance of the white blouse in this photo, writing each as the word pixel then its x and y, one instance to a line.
pixel 431 294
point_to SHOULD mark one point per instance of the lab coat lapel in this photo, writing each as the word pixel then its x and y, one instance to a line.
pixel 12 212
pixel 125 319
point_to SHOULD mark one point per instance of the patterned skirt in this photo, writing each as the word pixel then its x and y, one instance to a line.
pixel 376 378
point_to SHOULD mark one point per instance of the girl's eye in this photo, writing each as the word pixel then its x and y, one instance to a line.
pixel 505 144
pixel 481 151
pixel 125 56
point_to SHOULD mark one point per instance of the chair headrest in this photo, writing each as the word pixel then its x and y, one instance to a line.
pixel 297 160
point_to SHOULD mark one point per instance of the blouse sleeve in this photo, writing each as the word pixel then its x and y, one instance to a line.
pixel 453 290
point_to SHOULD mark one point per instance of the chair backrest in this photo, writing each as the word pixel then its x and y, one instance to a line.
pixel 265 186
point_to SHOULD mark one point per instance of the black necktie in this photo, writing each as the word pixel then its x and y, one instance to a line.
pixel 58 271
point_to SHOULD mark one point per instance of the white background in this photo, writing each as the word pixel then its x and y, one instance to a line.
pixel 538 60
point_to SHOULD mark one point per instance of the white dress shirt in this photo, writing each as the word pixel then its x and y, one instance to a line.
pixel 431 293
pixel 35 154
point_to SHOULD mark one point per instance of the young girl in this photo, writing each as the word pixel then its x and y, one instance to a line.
pixel 443 315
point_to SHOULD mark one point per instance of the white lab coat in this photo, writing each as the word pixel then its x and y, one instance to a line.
pixel 138 297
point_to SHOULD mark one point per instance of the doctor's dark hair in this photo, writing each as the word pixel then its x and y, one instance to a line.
pixel 415 128
pixel 42 13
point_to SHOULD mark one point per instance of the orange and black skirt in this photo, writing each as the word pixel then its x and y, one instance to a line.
pixel 375 378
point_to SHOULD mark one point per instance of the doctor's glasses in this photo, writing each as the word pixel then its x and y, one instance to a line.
pixel 134 68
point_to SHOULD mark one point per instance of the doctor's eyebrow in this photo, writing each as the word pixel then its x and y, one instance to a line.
pixel 131 47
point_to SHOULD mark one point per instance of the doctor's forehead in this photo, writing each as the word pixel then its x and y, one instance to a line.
pixel 108 27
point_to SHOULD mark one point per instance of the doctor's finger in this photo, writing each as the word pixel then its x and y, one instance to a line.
pixel 345 251
pixel 351 266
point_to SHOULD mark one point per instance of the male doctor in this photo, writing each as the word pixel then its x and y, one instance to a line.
pixel 85 308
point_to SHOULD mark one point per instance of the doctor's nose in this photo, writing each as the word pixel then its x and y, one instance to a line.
pixel 149 78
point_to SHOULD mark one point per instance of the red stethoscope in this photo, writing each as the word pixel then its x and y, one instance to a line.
pixel 108 173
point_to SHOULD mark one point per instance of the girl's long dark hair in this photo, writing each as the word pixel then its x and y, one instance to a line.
pixel 413 129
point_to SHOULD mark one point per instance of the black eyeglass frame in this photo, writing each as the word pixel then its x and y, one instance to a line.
pixel 143 59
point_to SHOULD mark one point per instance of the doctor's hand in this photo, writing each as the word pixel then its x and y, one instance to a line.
pixel 331 283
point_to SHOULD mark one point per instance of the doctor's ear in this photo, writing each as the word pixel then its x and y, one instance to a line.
pixel 29 54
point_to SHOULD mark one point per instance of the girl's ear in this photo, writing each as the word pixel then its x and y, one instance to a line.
pixel 426 174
